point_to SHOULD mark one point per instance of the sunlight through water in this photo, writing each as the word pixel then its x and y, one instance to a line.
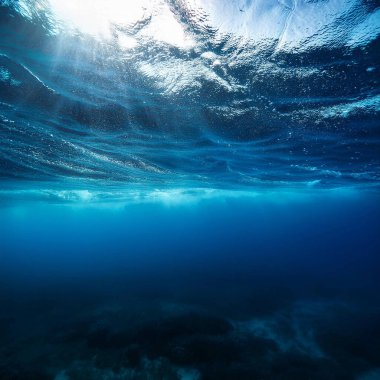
pixel 102 19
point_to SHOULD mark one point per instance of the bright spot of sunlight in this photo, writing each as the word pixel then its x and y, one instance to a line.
pixel 106 18
pixel 96 17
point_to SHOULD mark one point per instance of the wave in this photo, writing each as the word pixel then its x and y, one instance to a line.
pixel 189 94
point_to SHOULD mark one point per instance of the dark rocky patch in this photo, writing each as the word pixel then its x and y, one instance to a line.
pixel 296 366
pixel 104 338
pixel 257 347
pixel 204 350
pixel 133 355
pixel 231 372
pixel 159 337
pixel 16 374
pixel 353 340
pixel 184 325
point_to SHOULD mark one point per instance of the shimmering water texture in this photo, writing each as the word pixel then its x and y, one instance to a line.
pixel 189 190
pixel 217 94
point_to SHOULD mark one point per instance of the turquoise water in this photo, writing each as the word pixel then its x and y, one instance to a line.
pixel 280 285
pixel 189 190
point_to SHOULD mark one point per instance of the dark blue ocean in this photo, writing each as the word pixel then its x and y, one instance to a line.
pixel 189 190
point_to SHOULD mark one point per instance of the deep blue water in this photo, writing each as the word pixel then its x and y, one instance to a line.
pixel 189 190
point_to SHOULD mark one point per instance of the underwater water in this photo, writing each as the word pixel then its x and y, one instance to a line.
pixel 189 189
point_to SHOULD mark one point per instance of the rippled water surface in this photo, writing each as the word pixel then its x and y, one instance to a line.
pixel 214 94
